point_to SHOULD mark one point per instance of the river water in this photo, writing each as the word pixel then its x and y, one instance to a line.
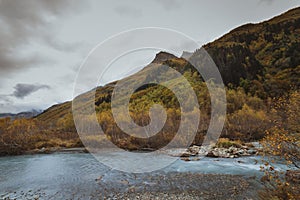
pixel 80 175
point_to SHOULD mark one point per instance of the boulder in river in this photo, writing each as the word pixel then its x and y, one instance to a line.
pixel 252 151
pixel 185 154
pixel 194 150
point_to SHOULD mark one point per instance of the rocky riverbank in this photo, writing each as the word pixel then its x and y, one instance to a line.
pixel 193 153
pixel 179 186
pixel 231 151
pixel 198 186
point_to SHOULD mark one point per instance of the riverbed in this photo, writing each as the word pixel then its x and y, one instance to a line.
pixel 81 176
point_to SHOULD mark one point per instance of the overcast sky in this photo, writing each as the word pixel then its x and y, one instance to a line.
pixel 43 43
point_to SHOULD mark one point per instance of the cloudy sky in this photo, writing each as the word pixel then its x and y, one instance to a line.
pixel 43 43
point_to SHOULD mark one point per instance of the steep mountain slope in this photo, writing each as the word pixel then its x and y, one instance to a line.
pixel 268 52
pixel 263 59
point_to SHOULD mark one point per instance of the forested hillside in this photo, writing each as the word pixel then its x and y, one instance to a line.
pixel 259 64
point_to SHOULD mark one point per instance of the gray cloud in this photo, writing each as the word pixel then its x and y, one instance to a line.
pixel 61 45
pixel 128 11
pixel 266 1
pixel 24 21
pixel 4 99
pixel 23 90
pixel 169 4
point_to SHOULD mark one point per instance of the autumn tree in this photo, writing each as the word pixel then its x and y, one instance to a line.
pixel 282 141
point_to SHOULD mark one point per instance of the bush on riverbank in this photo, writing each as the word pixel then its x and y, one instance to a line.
pixel 247 120
pixel 226 143
pixel 282 141
pixel 21 135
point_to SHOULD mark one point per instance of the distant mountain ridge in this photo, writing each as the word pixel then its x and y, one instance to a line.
pixel 27 114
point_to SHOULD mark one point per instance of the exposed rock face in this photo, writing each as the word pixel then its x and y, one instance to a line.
pixel 163 56
pixel 186 55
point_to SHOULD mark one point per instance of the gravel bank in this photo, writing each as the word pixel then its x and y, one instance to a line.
pixel 168 186
pixel 196 186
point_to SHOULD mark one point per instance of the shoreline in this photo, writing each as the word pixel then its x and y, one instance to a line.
pixel 188 186
pixel 51 150
pixel 56 150
pixel 183 153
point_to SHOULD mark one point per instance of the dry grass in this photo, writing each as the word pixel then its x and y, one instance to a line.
pixel 19 143
pixel 226 143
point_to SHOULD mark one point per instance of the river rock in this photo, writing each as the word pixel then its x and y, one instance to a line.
pixel 256 145
pixel 212 151
pixel 191 151
pixel 186 154
pixel 194 150
pixel 187 159
pixel 241 152
pixel 211 154
pixel 42 150
pixel 219 152
pixel 251 151
pixel 204 150
pixel 232 150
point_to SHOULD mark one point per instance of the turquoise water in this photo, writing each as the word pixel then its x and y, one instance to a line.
pixel 79 175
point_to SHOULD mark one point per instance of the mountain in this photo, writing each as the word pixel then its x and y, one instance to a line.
pixel 267 52
pixel 27 115
pixel 162 56
pixel 186 55
pixel 257 62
